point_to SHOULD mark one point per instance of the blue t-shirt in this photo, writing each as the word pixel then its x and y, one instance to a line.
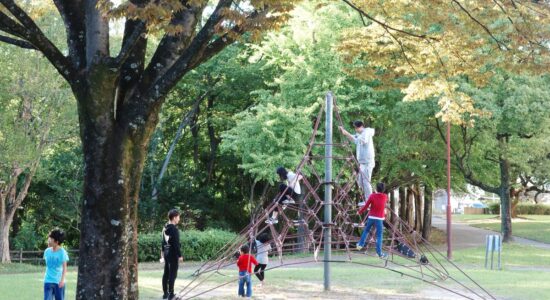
pixel 54 264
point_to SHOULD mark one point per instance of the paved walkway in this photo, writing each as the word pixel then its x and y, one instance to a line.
pixel 465 236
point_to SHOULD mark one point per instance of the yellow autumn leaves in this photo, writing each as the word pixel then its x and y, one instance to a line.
pixel 433 43
pixel 252 16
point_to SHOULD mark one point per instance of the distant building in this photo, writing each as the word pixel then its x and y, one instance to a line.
pixel 459 200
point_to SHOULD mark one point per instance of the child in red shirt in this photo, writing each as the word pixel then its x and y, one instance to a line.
pixel 244 263
pixel 377 204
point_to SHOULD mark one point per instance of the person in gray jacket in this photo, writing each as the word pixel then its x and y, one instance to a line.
pixel 364 153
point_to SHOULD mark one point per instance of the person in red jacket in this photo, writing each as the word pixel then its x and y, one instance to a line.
pixel 377 205
pixel 245 263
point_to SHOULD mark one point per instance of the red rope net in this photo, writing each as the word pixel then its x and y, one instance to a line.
pixel 300 230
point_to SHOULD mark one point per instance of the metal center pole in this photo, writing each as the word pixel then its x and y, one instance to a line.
pixel 328 188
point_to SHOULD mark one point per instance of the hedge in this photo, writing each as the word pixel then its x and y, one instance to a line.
pixel 195 245
pixel 523 209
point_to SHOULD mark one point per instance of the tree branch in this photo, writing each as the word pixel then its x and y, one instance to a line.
pixel 464 169
pixel 385 25
pixel 491 159
pixel 184 122
pixel 17 42
pixel 172 47
pixel 480 24
pixel 129 43
pixel 132 65
pixel 32 33
pixel 72 12
pixel 214 48
pixel 8 25
pixel 97 34
pixel 165 82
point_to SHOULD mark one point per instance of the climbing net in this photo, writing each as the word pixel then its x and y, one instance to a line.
pixel 301 230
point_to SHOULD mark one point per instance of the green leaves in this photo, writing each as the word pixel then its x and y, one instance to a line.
pixel 268 136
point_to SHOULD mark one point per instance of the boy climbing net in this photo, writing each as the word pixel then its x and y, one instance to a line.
pixel 364 153
pixel 377 205
pixel 290 189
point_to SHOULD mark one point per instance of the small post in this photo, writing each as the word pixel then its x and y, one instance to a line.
pixel 498 247
pixel 20 255
pixel 328 188
pixel 493 243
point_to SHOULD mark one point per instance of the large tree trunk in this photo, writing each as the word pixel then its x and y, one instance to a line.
pixel 505 205
pixel 402 203
pixel 417 208
pixel 11 198
pixel 410 206
pixel 114 153
pixel 5 242
pixel 119 99
pixel 214 141
pixel 393 205
pixel 427 227
pixel 515 195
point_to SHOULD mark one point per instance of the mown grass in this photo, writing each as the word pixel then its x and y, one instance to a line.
pixel 525 275
pixel 533 227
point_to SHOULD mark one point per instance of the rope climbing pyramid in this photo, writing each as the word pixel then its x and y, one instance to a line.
pixel 300 234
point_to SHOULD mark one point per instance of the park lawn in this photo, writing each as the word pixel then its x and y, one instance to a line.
pixel 525 275
pixel 533 227
pixel 470 218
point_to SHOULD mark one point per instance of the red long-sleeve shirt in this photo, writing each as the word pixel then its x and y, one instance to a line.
pixel 377 202
pixel 245 262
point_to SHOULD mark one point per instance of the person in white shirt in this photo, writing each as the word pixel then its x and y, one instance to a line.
pixel 364 152
pixel 263 247
pixel 290 189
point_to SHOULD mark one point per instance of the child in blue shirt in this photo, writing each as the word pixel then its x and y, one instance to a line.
pixel 56 266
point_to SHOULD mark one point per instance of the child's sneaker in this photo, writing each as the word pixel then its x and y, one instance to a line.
pixel 359 247
pixel 384 255
pixel 272 221
pixel 424 260
pixel 362 203
pixel 289 201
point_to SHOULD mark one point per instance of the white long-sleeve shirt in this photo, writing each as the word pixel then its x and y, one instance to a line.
pixel 294 182
pixel 364 149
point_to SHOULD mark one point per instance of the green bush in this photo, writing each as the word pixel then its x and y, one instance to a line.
pixel 523 209
pixel 494 208
pixel 27 238
pixel 532 209
pixel 195 244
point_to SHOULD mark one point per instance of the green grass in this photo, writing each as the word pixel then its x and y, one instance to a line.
pixel 533 227
pixel 15 268
pixel 525 275
pixel 533 231
pixel 467 218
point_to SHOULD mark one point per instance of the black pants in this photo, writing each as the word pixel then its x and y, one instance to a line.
pixel 170 273
pixel 288 192
pixel 260 268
